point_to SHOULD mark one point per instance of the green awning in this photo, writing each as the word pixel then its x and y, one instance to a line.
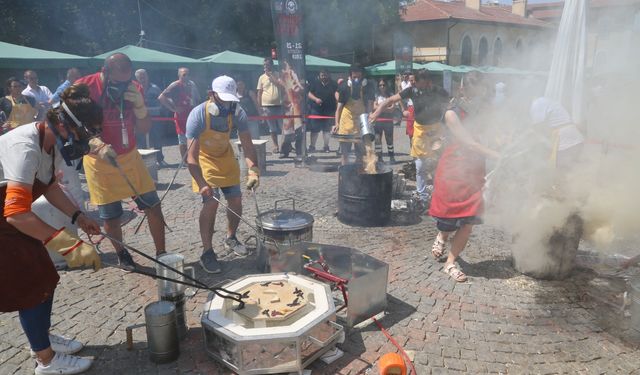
pixel 150 58
pixel 13 56
pixel 388 68
pixel 241 61
pixel 234 60
pixel 317 63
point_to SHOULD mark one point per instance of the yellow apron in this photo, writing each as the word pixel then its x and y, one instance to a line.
pixel 20 113
pixel 350 118
pixel 426 139
pixel 217 160
pixel 106 184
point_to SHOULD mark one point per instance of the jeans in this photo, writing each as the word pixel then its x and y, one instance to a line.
pixel 424 166
pixel 36 322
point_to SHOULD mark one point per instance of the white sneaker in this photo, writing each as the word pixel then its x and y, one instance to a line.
pixel 62 345
pixel 64 364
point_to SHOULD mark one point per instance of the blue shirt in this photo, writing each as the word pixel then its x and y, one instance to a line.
pixel 56 95
pixel 196 121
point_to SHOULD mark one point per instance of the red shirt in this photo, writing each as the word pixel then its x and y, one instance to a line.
pixel 114 124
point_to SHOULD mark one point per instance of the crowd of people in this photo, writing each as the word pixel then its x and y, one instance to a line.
pixel 101 119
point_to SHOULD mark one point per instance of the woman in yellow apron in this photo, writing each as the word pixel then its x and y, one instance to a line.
pixel 18 109
pixel 354 99
pixel 213 165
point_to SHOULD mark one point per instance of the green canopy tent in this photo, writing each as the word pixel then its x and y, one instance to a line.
pixel 316 63
pixel 13 56
pixel 387 68
pixel 150 59
pixel 234 61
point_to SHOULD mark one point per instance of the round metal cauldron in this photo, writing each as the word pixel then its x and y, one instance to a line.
pixel 162 332
pixel 281 228
pixel 364 199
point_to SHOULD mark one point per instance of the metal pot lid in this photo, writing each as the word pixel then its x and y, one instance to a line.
pixel 284 219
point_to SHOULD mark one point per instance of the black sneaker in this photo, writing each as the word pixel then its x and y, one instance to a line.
pixel 392 159
pixel 312 149
pixel 326 149
pixel 125 260
pixel 209 262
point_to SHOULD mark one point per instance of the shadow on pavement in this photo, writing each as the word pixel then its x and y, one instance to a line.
pixel 489 269
pixel 161 186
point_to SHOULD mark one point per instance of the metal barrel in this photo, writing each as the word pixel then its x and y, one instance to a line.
pixel 181 321
pixel 366 129
pixel 162 333
pixel 635 303
pixel 364 199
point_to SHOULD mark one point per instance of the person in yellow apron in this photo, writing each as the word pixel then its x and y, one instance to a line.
pixel 118 172
pixel 18 109
pixel 429 103
pixel 213 166
pixel 354 99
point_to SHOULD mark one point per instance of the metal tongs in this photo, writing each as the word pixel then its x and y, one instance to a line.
pixel 195 283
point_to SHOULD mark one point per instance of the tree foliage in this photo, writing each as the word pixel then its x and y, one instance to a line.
pixel 193 28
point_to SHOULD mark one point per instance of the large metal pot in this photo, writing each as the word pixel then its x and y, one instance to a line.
pixel 281 228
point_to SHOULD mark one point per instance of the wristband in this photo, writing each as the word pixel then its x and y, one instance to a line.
pixel 75 216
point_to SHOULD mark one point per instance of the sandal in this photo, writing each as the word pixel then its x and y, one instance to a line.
pixel 455 272
pixel 438 248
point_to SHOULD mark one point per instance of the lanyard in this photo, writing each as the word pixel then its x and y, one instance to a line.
pixel 123 129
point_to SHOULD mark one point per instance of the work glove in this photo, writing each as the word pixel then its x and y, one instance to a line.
pixel 76 252
pixel 101 150
pixel 253 178
pixel 134 96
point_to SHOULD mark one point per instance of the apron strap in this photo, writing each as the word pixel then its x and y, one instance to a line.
pixel 40 127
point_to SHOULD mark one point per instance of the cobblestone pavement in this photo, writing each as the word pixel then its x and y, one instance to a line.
pixel 498 322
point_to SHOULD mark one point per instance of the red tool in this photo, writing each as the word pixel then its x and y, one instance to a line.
pixel 325 274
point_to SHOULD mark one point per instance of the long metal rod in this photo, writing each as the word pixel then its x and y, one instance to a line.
pixel 237 298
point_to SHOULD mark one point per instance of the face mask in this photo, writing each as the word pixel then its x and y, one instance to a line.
pixel 116 90
pixel 223 109
pixel 71 149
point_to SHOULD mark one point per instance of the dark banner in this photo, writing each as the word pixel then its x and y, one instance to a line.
pixel 402 52
pixel 287 23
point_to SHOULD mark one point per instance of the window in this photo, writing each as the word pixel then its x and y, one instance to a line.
pixel 467 50
pixel 497 52
pixel 483 51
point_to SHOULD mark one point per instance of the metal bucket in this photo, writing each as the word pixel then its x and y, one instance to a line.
pixel 366 129
pixel 281 228
pixel 634 297
pixel 150 161
pixel 181 320
pixel 162 333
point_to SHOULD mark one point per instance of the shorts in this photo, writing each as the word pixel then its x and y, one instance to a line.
pixel 320 125
pixel 182 139
pixel 453 224
pixel 229 192
pixel 275 125
pixel 114 210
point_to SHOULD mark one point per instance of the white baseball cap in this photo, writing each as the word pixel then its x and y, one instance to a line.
pixel 226 88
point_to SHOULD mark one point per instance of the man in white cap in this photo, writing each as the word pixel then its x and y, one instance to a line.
pixel 213 165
